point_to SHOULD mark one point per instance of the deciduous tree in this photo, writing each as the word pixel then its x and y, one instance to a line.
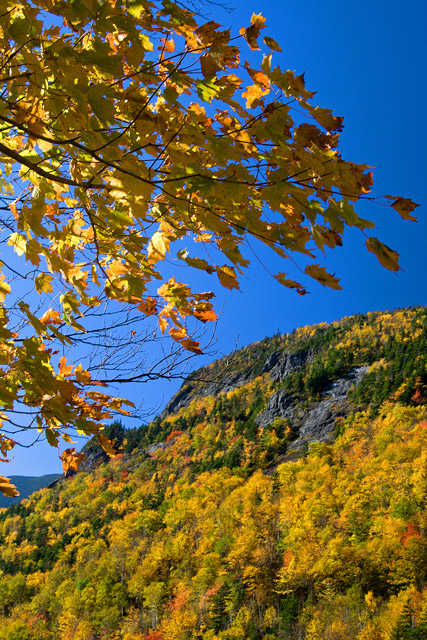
pixel 132 133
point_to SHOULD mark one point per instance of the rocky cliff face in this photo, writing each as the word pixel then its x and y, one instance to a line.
pixel 279 364
pixel 302 379
pixel 280 405
pixel 317 423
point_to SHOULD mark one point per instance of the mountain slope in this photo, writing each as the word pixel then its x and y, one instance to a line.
pixel 286 376
pixel 26 486
pixel 291 505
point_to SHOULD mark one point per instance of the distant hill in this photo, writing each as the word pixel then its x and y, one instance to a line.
pixel 26 486
pixel 282 494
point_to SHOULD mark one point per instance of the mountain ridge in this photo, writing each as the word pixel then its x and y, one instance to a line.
pixel 227 519
pixel 283 358
pixel 26 485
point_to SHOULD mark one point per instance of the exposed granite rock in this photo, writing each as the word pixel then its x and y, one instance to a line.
pixel 180 399
pixel 95 456
pixel 316 424
pixel 279 364
pixel 154 447
pixel 281 405
pixel 319 424
pixel 272 361
pixel 319 421
pixel 282 363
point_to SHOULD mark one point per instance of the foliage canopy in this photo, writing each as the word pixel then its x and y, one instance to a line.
pixel 127 130
pixel 218 531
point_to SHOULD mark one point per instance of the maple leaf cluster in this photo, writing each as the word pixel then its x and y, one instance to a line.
pixel 126 131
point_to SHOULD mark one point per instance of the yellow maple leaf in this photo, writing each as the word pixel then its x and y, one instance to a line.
pixel 158 247
pixel 386 256
pixel 205 315
pixel 291 284
pixel 4 289
pixel 6 444
pixel 71 459
pixel 404 207
pixel 82 375
pixel 7 488
pixel 51 317
pixel 148 306
pixel 251 33
pixel 227 277
pixel 177 334
pixel 65 369
pixel 253 94
pixel 107 445
pixel 116 268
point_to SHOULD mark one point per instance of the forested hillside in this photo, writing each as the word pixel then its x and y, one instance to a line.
pixel 282 494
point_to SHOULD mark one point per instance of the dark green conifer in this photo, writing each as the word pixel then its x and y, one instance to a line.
pixel 421 627
pixel 404 628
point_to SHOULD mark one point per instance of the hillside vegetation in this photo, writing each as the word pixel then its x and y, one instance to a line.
pixel 283 497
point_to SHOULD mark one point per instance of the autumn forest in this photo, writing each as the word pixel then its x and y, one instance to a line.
pixel 148 156
pixel 281 494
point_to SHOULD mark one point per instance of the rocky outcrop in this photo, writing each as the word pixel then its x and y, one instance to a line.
pixel 279 364
pixel 180 399
pixel 95 456
pixel 155 447
pixel 282 363
pixel 318 423
pixel 281 405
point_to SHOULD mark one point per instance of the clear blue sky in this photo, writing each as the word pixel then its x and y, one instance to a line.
pixel 367 62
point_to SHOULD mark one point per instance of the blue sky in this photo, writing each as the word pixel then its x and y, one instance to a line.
pixel 367 62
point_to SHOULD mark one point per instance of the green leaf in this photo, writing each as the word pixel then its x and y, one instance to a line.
pixel 109 65
pixel 207 89
pixel 35 322
pixel 102 105
pixel 198 263
pixel 19 29
pixel 52 436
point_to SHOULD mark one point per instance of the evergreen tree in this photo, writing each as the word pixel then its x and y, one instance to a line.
pixel 404 628
pixel 420 632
